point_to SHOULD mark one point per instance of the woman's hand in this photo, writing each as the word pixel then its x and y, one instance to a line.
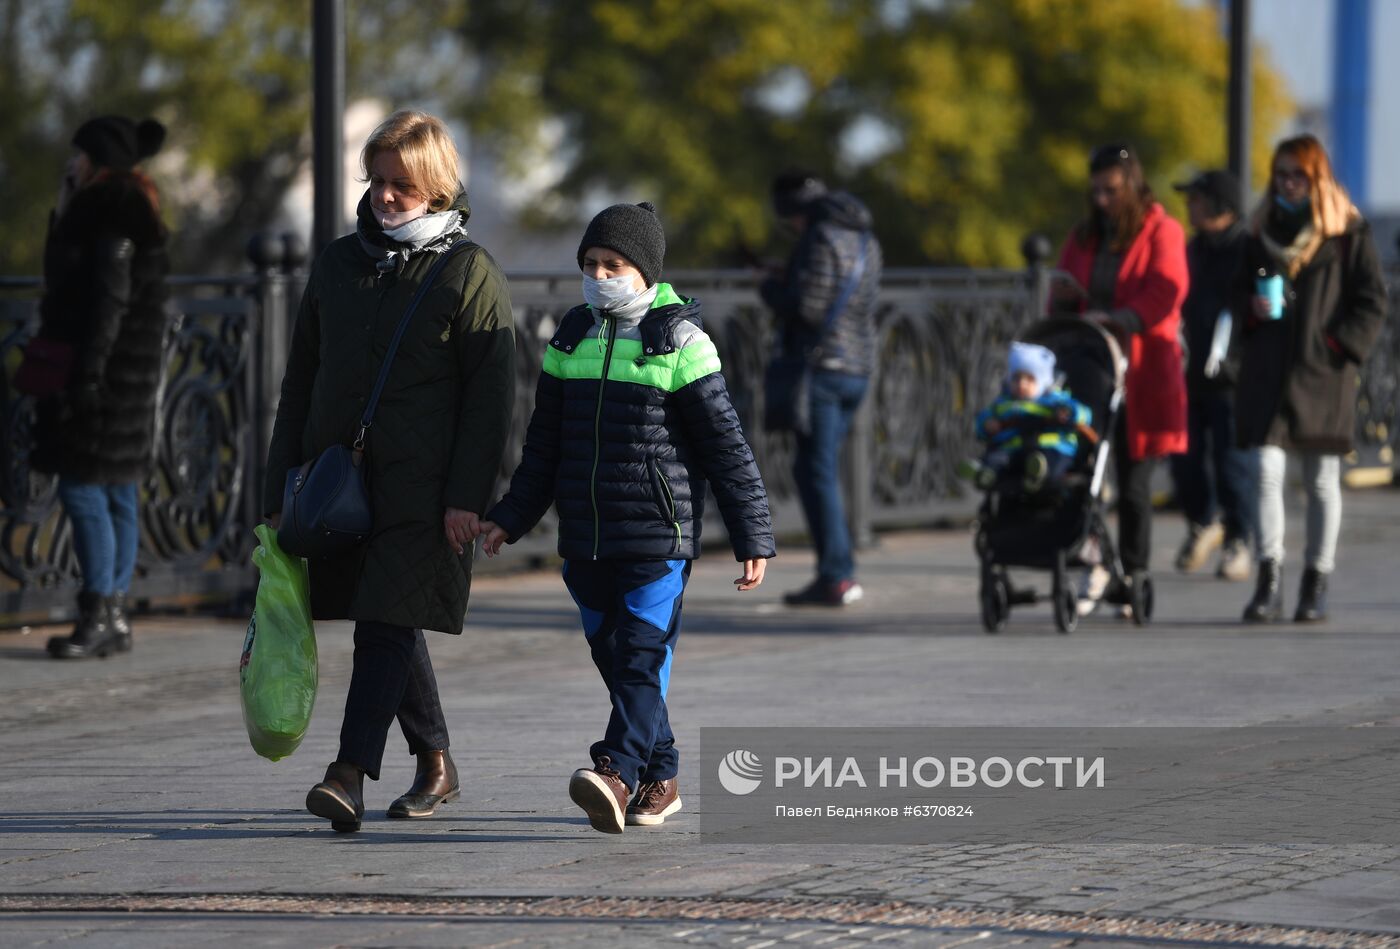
pixel 495 537
pixel 1263 308
pixel 461 528
pixel 753 574
pixel 275 521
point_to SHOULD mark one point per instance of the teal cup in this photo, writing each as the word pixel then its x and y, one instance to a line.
pixel 1271 289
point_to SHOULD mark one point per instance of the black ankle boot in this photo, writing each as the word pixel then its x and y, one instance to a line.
pixel 1312 598
pixel 119 621
pixel 1267 605
pixel 340 797
pixel 92 636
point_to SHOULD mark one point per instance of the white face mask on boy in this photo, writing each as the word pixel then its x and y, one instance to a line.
pixel 611 293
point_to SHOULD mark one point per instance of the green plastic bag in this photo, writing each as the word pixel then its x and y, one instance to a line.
pixel 277 674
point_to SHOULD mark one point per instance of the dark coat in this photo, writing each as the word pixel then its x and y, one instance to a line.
pixel 803 297
pixel 104 293
pixel 437 438
pixel 1213 260
pixel 1295 389
pixel 630 422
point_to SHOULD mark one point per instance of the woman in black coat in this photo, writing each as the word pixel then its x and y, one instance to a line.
pixel 433 451
pixel 104 299
pixel 1311 299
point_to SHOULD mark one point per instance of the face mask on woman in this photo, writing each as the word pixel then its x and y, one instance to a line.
pixel 389 220
pixel 612 293
pixel 1292 207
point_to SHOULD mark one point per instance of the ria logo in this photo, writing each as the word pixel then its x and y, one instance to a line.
pixel 741 772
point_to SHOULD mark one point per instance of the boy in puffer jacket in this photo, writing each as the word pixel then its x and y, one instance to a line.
pixel 632 418
pixel 1033 428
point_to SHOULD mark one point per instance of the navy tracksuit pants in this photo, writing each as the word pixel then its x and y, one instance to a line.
pixel 631 612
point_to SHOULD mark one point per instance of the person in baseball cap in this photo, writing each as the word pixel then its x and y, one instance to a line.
pixel 1221 187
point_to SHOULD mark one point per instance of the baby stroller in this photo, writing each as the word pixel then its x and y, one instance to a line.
pixel 1060 530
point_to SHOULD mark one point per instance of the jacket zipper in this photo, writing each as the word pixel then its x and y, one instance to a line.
pixel 598 432
pixel 670 504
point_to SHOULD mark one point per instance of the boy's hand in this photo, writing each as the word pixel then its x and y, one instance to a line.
pixel 1062 415
pixel 991 426
pixel 461 528
pixel 495 537
pixel 753 574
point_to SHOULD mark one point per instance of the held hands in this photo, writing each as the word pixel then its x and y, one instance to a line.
pixel 753 574
pixel 461 527
pixel 495 537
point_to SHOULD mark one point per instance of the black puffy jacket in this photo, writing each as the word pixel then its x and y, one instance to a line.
pixel 838 226
pixel 631 419
pixel 104 293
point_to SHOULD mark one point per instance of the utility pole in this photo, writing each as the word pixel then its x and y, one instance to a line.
pixel 327 122
pixel 1241 95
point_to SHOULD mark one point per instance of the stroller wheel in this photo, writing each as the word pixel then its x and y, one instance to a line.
pixel 995 595
pixel 1141 597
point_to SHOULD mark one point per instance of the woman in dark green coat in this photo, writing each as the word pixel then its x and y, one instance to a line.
pixel 434 449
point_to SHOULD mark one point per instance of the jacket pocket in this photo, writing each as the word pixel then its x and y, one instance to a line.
pixel 665 500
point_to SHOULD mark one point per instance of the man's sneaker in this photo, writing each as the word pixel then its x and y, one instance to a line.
pixel 602 795
pixel 1236 562
pixel 655 801
pixel 823 593
pixel 1033 476
pixel 1091 588
pixel 1201 541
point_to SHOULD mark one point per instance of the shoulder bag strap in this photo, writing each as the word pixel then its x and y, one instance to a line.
pixel 368 418
pixel 849 287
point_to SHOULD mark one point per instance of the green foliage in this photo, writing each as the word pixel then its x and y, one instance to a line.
pixel 231 79
pixel 992 107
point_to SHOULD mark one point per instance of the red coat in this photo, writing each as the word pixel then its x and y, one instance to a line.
pixel 1152 282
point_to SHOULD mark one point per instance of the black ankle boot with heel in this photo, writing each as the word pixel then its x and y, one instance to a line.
pixel 1267 604
pixel 1312 597
pixel 92 635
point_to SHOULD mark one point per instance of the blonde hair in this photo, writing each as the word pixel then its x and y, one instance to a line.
pixel 426 150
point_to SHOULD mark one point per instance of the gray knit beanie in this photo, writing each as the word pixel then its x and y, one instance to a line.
pixel 634 231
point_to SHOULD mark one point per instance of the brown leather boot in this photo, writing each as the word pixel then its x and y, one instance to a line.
pixel 434 783
pixel 602 795
pixel 340 798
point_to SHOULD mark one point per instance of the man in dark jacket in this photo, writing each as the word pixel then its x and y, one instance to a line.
pixel 1213 474
pixel 824 302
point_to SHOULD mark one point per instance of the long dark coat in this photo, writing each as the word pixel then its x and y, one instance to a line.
pixel 437 438
pixel 104 293
pixel 1295 390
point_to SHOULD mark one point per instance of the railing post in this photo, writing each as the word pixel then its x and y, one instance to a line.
pixel 1036 248
pixel 860 479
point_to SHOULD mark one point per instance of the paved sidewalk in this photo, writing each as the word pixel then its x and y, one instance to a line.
pixel 132 811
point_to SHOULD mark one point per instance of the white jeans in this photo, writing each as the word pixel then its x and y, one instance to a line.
pixel 1322 480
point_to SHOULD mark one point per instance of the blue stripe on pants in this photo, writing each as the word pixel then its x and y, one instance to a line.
pixel 631 612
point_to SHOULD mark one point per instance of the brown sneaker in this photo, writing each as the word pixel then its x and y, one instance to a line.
pixel 655 801
pixel 602 795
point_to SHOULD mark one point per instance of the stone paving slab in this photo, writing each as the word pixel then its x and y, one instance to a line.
pixel 133 775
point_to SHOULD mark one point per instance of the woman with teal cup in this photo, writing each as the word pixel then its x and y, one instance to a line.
pixel 1311 302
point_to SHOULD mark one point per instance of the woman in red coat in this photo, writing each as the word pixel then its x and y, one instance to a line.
pixel 1127 261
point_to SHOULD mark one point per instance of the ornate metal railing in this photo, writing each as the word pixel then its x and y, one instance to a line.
pixel 942 342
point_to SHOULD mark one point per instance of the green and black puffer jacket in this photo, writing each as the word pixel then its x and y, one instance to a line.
pixel 632 418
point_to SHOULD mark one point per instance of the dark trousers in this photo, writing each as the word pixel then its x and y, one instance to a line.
pixel 835 397
pixel 393 678
pixel 1134 501
pixel 1213 475
pixel 631 611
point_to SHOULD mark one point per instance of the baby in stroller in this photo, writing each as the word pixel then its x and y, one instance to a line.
pixel 1032 430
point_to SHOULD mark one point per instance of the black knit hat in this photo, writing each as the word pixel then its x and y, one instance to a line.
pixel 634 231
pixel 114 141
pixel 794 192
